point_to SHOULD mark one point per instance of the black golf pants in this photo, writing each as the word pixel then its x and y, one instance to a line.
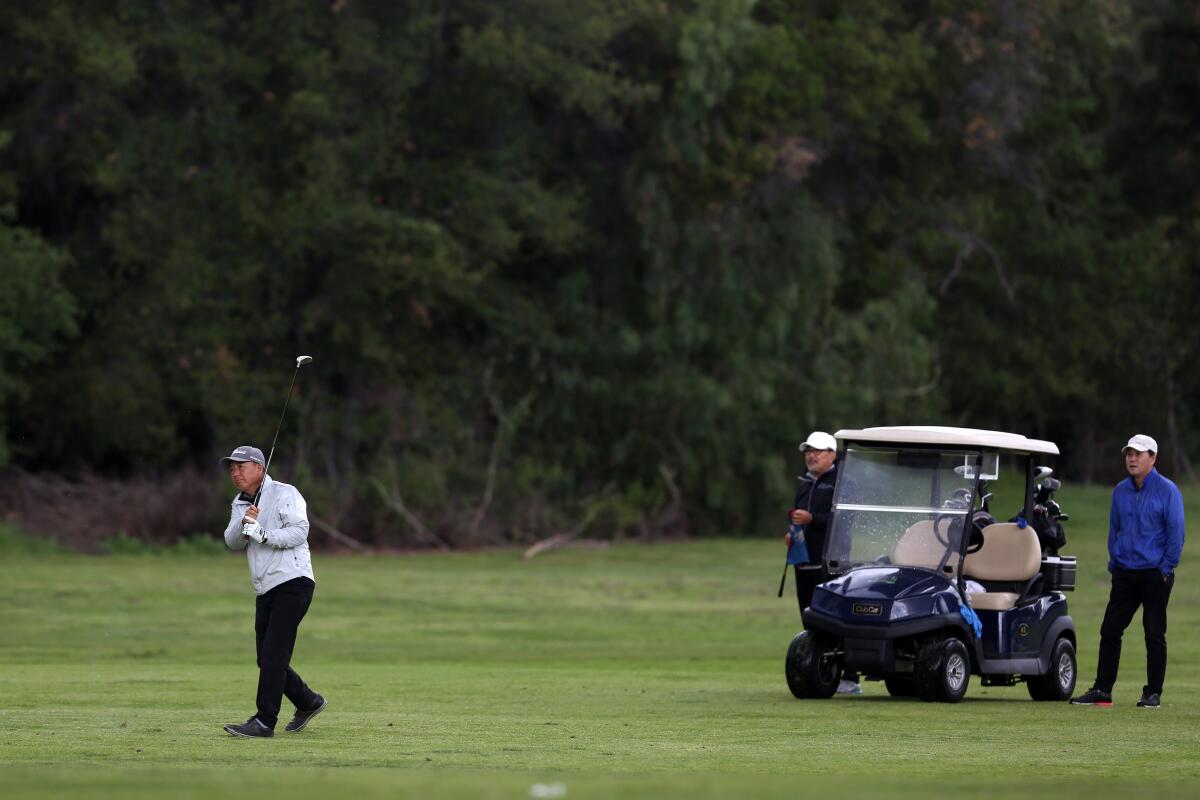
pixel 277 616
pixel 1132 588
pixel 807 578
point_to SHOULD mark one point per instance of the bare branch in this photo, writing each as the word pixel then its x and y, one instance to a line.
pixel 494 457
pixel 970 242
pixel 505 426
pixel 669 479
pixel 957 268
pixel 393 500
pixel 1182 464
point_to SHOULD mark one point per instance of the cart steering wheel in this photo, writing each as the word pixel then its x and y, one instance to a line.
pixel 941 525
pixel 960 499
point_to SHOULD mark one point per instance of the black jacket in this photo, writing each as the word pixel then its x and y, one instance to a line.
pixel 816 497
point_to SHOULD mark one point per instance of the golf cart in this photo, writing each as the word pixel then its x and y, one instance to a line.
pixel 925 587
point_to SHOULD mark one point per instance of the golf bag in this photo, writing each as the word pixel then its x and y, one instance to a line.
pixel 1048 516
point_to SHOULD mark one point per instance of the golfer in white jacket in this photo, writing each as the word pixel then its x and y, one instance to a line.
pixel 274 534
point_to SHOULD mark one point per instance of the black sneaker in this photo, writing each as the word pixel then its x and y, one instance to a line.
pixel 1092 697
pixel 250 729
pixel 1149 700
pixel 302 718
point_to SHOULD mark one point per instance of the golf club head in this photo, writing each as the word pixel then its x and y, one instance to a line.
pixel 302 360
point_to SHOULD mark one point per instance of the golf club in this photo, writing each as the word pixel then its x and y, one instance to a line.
pixel 300 362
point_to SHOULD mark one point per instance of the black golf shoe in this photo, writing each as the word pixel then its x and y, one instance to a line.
pixel 1092 697
pixel 1149 700
pixel 302 718
pixel 250 729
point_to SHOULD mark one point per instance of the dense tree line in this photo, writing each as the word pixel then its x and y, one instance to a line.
pixel 589 265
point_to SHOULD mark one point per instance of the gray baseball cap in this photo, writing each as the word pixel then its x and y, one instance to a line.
pixel 244 453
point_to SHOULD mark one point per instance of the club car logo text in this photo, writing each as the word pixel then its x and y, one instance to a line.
pixel 868 609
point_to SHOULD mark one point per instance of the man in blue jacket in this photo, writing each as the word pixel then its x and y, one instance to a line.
pixel 1145 542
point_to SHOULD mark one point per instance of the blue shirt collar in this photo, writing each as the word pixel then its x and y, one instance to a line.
pixel 1151 476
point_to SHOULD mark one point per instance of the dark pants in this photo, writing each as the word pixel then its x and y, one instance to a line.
pixel 807 578
pixel 1132 588
pixel 277 616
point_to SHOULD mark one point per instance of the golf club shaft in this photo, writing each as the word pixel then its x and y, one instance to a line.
pixel 783 578
pixel 278 427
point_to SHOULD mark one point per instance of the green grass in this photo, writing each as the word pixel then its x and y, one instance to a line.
pixel 628 671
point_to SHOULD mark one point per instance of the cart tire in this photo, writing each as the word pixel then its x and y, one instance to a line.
pixel 943 670
pixel 811 675
pixel 901 687
pixel 1058 684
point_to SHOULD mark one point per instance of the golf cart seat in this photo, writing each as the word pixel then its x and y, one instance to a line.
pixel 920 547
pixel 1010 558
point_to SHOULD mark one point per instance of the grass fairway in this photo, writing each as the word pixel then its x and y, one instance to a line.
pixel 652 671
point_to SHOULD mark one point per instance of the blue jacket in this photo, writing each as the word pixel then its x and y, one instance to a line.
pixel 1145 528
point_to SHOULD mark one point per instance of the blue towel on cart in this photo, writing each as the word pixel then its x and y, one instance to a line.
pixel 971 617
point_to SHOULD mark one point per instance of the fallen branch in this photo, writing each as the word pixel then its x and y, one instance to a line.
pixel 335 534
pixel 559 539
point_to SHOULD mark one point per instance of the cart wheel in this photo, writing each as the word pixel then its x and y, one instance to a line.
pixel 943 670
pixel 811 672
pixel 1059 681
pixel 901 687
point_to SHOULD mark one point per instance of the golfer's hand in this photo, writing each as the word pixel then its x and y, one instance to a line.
pixel 254 532
pixel 251 514
pixel 800 516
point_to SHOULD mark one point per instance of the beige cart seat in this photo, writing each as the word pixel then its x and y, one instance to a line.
pixel 1009 553
pixel 919 547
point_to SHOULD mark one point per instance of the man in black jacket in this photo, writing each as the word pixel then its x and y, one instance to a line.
pixel 811 511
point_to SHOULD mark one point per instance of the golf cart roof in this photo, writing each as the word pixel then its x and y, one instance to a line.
pixel 953 437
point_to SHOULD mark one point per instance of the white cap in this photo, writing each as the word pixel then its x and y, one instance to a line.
pixel 819 440
pixel 1142 443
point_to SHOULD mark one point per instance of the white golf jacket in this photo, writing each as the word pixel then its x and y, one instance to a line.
pixel 283 514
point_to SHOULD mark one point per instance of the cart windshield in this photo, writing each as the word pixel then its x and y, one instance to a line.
pixel 901 506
